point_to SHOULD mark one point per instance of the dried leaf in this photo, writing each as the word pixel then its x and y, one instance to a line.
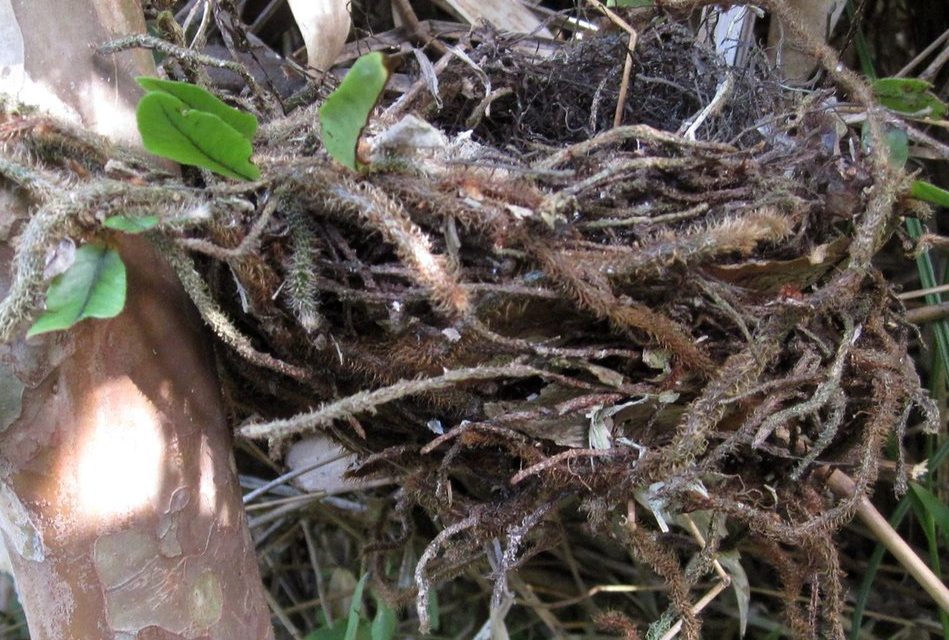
pixel 324 25
pixel 502 14
pixel 731 561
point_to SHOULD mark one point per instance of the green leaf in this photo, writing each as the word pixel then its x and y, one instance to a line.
pixel 898 142
pixel 171 129
pixel 200 100
pixel 346 111
pixel 93 287
pixel 131 224
pixel 876 558
pixel 352 625
pixel 909 95
pixel 922 190
pixel 337 632
pixel 933 506
pixel 384 624
pixel 434 611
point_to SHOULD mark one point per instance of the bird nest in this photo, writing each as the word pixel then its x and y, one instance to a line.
pixel 534 320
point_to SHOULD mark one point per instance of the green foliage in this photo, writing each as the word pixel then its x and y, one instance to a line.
pixel 346 111
pixel 909 95
pixel 864 55
pixel 929 192
pixel 131 224
pixel 931 512
pixel 356 626
pixel 353 623
pixel 197 98
pixel 92 287
pixel 384 624
pixel 933 516
pixel 928 280
pixel 338 632
pixel 897 142
pixel 434 611
pixel 185 123
pixel 876 558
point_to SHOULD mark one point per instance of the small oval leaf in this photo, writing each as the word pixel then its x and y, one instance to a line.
pixel 171 129
pixel 346 111
pixel 131 224
pixel 93 287
pixel 197 98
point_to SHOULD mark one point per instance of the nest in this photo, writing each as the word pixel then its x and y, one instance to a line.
pixel 544 316
pixel 572 94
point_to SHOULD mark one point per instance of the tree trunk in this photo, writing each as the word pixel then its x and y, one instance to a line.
pixel 119 500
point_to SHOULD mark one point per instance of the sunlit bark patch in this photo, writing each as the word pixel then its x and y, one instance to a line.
pixel 120 464
pixel 207 489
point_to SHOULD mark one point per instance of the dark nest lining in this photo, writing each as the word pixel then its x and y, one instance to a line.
pixel 572 95
pixel 588 313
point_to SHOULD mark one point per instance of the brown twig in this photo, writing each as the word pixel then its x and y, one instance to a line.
pixel 929 313
pixel 419 32
pixel 367 401
pixel 553 461
pixel 844 487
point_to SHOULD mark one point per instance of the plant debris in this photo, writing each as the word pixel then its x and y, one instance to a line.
pixel 536 316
